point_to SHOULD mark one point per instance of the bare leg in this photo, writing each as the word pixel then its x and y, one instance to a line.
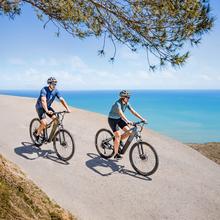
pixel 54 127
pixel 42 126
pixel 126 134
pixel 117 141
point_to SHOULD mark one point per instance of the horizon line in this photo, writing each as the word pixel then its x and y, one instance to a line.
pixel 79 90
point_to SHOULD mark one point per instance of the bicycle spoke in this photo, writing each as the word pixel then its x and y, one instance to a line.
pixel 34 125
pixel 104 143
pixel 143 158
pixel 64 145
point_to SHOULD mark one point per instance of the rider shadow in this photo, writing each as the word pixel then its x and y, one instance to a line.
pixel 98 162
pixel 30 152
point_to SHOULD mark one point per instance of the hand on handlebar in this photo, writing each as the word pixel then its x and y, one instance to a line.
pixel 130 123
pixel 68 110
pixel 144 121
pixel 50 112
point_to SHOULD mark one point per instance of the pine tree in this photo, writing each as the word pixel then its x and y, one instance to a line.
pixel 162 27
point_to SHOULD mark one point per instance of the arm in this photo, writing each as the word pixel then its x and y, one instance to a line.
pixel 136 114
pixel 44 103
pixel 122 115
pixel 43 99
pixel 58 95
pixel 64 104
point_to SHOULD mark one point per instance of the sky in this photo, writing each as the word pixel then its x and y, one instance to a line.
pixel 29 54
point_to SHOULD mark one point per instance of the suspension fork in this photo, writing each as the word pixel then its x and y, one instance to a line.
pixel 140 148
pixel 139 142
pixel 62 140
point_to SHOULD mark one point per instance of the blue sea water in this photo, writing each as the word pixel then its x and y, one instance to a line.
pixel 186 115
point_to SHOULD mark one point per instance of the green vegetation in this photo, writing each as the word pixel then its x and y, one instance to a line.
pixel 162 28
pixel 20 198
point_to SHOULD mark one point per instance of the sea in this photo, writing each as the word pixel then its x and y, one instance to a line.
pixel 190 116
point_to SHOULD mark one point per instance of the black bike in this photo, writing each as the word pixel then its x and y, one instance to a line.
pixel 143 156
pixel 62 139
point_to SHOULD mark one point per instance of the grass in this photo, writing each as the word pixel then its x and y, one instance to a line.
pixel 21 199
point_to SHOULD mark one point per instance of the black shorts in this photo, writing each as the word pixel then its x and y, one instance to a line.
pixel 42 114
pixel 116 123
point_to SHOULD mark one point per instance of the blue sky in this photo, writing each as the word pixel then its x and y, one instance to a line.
pixel 30 54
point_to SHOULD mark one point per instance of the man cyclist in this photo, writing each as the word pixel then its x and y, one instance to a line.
pixel 118 119
pixel 44 102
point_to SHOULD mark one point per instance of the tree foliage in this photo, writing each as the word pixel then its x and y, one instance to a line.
pixel 161 27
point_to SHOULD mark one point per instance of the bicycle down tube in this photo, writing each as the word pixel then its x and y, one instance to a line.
pixel 129 140
pixel 54 128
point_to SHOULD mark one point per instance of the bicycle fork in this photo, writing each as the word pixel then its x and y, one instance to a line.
pixel 142 155
pixel 62 139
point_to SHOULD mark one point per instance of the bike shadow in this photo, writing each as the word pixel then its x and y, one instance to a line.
pixel 97 161
pixel 30 152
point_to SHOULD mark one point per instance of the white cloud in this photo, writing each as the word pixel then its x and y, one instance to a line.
pixel 76 62
pixel 47 61
pixel 73 73
pixel 51 61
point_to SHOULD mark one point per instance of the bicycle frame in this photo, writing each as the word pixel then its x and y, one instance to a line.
pixel 134 134
pixel 57 123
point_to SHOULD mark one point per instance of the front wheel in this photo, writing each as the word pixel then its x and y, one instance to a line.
pixel 104 143
pixel 64 145
pixel 143 158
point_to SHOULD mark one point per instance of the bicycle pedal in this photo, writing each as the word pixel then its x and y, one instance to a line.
pixel 120 149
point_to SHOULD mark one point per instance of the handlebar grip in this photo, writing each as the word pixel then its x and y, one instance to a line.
pixel 139 122
pixel 57 113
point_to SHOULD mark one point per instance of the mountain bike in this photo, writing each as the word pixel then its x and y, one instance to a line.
pixel 63 142
pixel 142 155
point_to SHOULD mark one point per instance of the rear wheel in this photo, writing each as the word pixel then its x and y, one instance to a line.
pixel 104 143
pixel 34 125
pixel 143 158
pixel 64 145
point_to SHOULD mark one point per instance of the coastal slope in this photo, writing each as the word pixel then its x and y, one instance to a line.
pixel 22 199
pixel 185 186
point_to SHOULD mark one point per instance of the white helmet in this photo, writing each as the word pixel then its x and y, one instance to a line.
pixel 51 80
pixel 124 93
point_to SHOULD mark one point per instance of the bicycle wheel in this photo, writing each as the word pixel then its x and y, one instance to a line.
pixel 34 125
pixel 104 142
pixel 143 158
pixel 64 145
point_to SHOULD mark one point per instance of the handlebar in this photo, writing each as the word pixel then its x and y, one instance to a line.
pixel 60 115
pixel 139 122
pixel 62 112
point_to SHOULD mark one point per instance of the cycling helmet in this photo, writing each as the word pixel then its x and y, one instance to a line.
pixel 51 80
pixel 124 93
